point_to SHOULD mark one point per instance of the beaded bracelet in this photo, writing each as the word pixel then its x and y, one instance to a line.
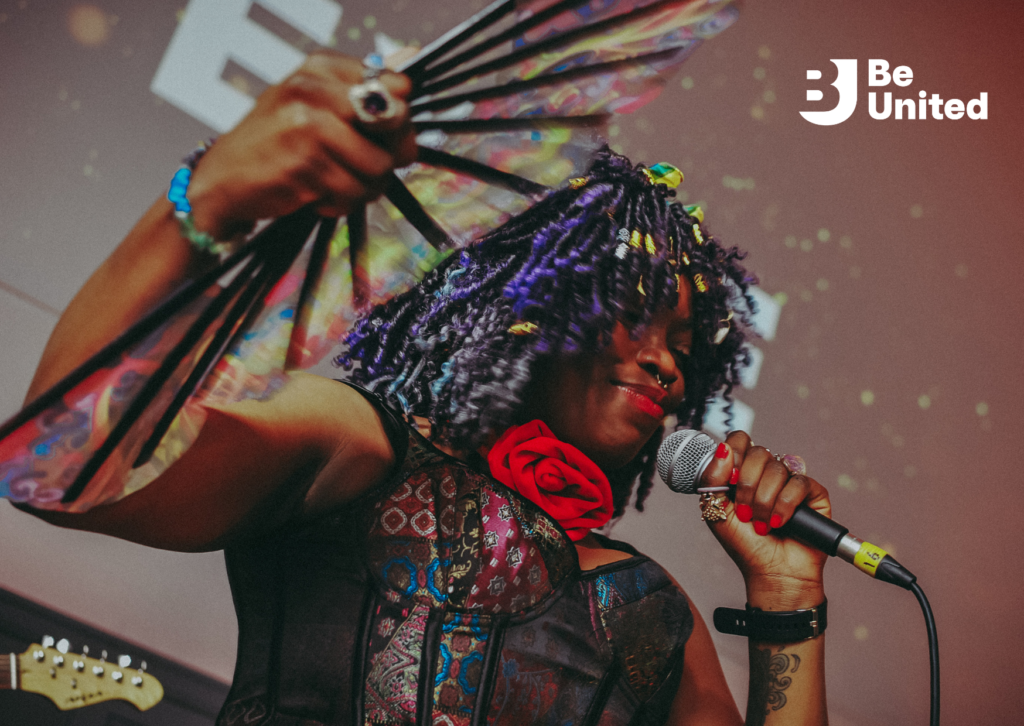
pixel 177 195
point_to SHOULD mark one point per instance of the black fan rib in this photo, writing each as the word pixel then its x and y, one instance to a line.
pixel 356 253
pixel 461 32
pixel 295 226
pixel 418 217
pixel 540 81
pixel 525 123
pixel 483 172
pixel 485 45
pixel 541 46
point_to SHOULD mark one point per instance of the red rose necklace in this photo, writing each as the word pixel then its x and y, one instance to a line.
pixel 554 475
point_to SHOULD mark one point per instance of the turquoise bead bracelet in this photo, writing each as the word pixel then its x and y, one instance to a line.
pixel 178 196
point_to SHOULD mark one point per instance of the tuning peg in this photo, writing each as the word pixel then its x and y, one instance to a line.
pixel 63 645
pixel 103 656
pixel 47 641
pixel 124 660
pixel 137 680
pixel 85 651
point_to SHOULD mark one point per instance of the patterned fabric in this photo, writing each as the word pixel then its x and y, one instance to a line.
pixel 445 594
pixel 395 649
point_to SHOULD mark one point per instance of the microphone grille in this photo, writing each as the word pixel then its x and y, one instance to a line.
pixel 682 458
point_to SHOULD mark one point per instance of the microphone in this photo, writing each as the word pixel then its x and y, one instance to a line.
pixel 685 454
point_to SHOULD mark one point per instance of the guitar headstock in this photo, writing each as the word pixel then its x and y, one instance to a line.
pixel 75 680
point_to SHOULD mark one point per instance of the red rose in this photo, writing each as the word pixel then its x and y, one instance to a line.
pixel 557 477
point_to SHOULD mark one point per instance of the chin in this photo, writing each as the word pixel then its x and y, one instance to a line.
pixel 615 451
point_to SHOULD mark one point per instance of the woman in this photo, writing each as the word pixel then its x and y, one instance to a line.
pixel 381 578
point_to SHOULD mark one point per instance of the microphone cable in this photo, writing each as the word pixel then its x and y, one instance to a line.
pixel 684 455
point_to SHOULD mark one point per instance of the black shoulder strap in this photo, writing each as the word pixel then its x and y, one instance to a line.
pixel 395 427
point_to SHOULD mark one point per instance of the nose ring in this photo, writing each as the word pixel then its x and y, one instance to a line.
pixel 662 383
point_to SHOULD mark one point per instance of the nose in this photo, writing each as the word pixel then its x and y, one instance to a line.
pixel 655 358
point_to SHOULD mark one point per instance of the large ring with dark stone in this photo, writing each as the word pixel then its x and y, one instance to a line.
pixel 372 102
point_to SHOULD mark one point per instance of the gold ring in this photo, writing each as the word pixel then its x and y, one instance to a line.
pixel 712 507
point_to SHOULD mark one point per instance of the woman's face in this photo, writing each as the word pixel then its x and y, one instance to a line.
pixel 608 404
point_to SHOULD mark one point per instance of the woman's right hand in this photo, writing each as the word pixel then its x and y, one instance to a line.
pixel 300 145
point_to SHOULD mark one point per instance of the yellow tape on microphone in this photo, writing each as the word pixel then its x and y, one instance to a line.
pixel 868 557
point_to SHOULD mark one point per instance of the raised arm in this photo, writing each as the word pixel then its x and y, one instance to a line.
pixel 300 146
pixel 787 679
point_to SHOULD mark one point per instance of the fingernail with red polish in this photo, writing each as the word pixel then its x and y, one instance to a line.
pixel 744 512
pixel 775 521
pixel 761 528
pixel 722 451
pixel 735 476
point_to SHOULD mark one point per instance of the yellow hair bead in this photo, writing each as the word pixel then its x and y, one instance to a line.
pixel 649 241
pixel 523 328
pixel 696 233
pixel 640 287
pixel 664 173
pixel 679 284
pixel 698 280
pixel 634 239
pixel 686 259
pixel 694 211
pixel 578 182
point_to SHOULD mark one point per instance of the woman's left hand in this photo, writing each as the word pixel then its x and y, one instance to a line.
pixel 780 572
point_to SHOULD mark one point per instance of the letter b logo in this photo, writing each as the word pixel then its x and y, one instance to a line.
pixel 846 83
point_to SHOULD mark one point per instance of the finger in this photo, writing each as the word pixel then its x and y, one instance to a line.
pixel 773 478
pixel 750 470
pixel 350 71
pixel 352 149
pixel 740 443
pixel 401 143
pixel 320 89
pixel 719 469
pixel 796 490
pixel 344 68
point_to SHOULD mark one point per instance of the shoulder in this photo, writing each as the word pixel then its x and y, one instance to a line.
pixel 353 433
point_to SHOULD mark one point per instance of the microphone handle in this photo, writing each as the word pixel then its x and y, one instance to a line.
pixel 818 531
pixel 814 530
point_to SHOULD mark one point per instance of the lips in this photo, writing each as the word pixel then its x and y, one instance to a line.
pixel 646 398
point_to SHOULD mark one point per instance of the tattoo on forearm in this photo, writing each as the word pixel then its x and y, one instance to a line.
pixel 769 678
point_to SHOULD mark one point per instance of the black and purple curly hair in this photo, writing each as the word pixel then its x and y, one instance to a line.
pixel 455 349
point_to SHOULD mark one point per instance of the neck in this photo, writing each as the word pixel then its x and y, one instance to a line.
pixel 8 671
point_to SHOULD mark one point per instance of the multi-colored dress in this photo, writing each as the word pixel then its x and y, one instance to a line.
pixel 444 598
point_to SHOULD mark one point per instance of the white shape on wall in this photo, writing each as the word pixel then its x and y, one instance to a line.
pixel 213 32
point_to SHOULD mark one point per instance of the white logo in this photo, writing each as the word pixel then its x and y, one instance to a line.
pixel 845 83
pixel 897 108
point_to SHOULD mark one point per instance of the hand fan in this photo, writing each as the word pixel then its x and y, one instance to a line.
pixel 506 105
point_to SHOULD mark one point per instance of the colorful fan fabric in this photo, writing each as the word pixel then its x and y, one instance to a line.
pixel 506 106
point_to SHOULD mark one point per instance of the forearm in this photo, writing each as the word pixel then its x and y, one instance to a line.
pixel 787 681
pixel 151 262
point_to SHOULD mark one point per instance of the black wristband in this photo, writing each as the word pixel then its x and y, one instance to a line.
pixel 773 626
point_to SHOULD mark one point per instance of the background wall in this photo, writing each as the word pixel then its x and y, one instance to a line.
pixel 894 248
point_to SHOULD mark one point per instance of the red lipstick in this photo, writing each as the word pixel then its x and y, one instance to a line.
pixel 645 398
